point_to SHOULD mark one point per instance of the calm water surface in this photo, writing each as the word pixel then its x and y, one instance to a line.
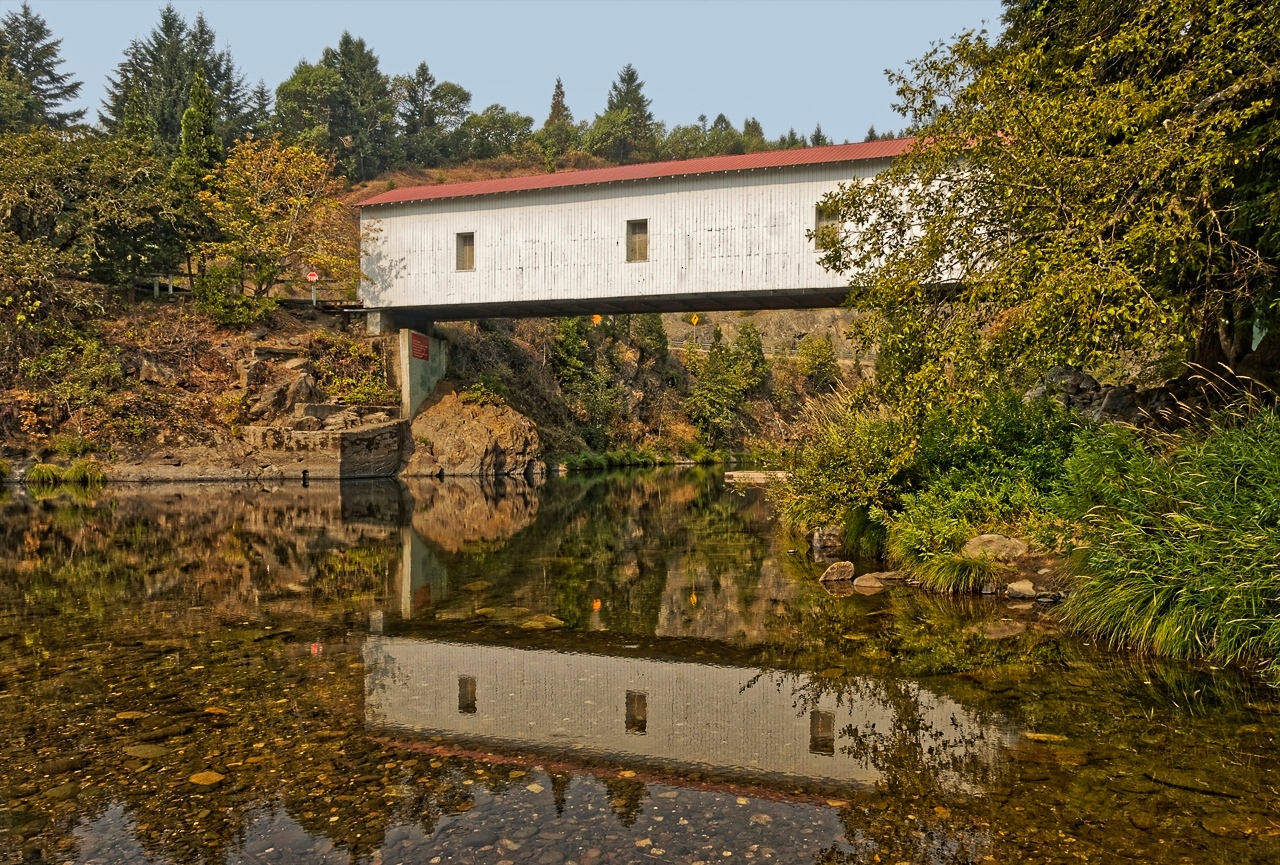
pixel 625 668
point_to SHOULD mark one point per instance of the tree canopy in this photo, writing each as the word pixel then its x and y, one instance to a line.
pixel 1101 178
pixel 33 58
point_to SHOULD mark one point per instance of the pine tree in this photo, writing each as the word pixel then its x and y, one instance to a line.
pixel 559 112
pixel 818 139
pixel 558 134
pixel 162 68
pixel 419 123
pixel 626 132
pixel 34 58
pixel 362 126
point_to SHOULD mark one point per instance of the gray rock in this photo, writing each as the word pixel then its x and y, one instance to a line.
pixel 868 581
pixel 258 333
pixel 298 363
pixel 303 389
pixel 253 374
pixel 308 424
pixel 1000 548
pixel 457 438
pixel 156 373
pixel 1020 590
pixel 271 401
pixel 838 571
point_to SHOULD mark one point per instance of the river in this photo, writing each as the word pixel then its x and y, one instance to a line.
pixel 630 667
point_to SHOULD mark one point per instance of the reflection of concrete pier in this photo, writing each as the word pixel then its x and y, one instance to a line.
pixel 737 720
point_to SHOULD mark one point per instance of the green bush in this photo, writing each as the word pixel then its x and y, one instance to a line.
pixel 817 362
pixel 1180 537
pixel 86 473
pixel 488 390
pixel 219 293
pixel 350 370
pixel 44 475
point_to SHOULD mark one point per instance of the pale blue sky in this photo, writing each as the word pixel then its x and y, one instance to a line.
pixel 788 64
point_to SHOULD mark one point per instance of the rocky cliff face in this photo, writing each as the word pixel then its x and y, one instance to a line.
pixel 456 438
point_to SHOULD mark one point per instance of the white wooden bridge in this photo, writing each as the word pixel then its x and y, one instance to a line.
pixel 720 233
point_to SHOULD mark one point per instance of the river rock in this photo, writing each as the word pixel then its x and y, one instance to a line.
pixel 1020 590
pixel 1000 548
pixel 542 622
pixel 868 584
pixel 838 571
pixel 1002 630
pixel 457 438
pixel 206 779
pixel 62 792
pixel 146 752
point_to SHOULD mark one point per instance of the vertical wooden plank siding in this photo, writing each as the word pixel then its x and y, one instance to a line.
pixel 729 232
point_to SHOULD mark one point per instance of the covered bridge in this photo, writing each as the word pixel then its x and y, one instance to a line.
pixel 719 233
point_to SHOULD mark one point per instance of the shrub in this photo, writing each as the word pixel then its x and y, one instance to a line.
pixel 219 293
pixel 350 370
pixel 1181 538
pixel 488 390
pixel 816 361
pixel 86 473
pixel 44 475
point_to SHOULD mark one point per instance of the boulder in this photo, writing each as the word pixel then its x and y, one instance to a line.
pixel 303 389
pixel 868 581
pixel 1000 548
pixel 456 438
pixel 1021 590
pixel 838 571
pixel 156 373
pixel 270 401
pixel 253 374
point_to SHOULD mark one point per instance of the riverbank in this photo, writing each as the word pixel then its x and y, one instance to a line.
pixel 1168 531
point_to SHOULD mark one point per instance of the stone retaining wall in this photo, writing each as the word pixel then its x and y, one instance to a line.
pixel 371 451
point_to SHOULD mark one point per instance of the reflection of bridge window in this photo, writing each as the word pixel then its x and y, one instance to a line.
pixel 467 695
pixel 637 711
pixel 638 240
pixel 822 732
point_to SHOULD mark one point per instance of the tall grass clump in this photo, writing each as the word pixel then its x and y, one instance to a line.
pixel 42 475
pixel 85 473
pixel 5 470
pixel 1181 537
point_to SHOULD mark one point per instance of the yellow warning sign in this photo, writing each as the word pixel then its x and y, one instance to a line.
pixel 693 319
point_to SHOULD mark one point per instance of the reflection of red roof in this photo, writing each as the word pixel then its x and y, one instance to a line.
pixel 650 171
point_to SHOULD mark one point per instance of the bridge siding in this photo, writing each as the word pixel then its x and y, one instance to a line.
pixel 708 234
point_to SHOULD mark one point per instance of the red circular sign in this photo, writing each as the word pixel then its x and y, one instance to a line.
pixel 312 276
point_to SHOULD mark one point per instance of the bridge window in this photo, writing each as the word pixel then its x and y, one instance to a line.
pixel 467 251
pixel 637 712
pixel 638 240
pixel 467 695
pixel 822 732
pixel 825 224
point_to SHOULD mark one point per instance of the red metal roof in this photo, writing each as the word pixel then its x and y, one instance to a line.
pixel 650 171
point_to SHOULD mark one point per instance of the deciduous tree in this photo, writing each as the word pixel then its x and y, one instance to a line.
pixel 277 211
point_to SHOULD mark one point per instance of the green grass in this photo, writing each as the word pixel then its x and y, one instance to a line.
pixel 85 473
pixel 1181 538
pixel 44 475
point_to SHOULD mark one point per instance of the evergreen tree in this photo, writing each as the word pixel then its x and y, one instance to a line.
pixel 162 68
pixel 818 139
pixel 362 124
pixel 34 57
pixel 419 122
pixel 790 141
pixel 18 110
pixel 305 104
pixel 260 112
pixel 558 134
pixel 200 145
pixel 626 132
pixel 753 139
pixel 199 154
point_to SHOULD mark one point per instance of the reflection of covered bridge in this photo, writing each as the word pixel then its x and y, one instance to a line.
pixel 641 711
pixel 725 232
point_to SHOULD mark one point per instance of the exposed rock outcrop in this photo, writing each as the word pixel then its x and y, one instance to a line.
pixel 1078 390
pixel 456 438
